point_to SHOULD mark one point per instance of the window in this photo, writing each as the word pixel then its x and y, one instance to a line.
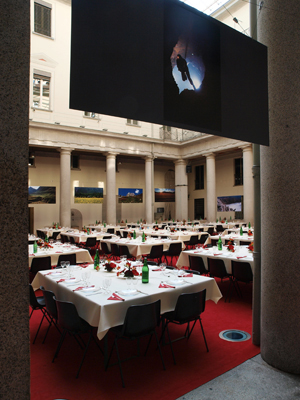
pixel 89 114
pixel 132 122
pixel 199 177
pixel 41 90
pixel 42 18
pixel 74 162
pixel 238 171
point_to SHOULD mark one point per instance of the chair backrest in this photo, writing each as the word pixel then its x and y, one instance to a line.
pixel 124 251
pixel 189 306
pixel 72 240
pixel 156 251
pixel 110 230
pixel 141 319
pixel 115 249
pixel 41 234
pixel 203 238
pixel 210 230
pixel 67 316
pixel 200 229
pixel 67 257
pixel 40 264
pixel 175 249
pixel 197 264
pixel 118 233
pixel 220 228
pixel 243 243
pixel 191 271
pixel 242 271
pixel 216 268
pixel 193 240
pixel 64 238
pixel 104 248
pixel 50 302
pixel 32 298
pixel 106 237
pixel 152 263
pixel 91 242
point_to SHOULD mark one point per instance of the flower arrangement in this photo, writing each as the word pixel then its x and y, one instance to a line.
pixel 128 235
pixel 230 246
pixel 251 247
pixel 109 266
pixel 156 228
pixel 250 233
pixel 46 245
pixel 129 272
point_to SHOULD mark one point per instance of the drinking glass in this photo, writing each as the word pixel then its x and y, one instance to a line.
pixel 63 264
pixel 88 277
pixel 163 267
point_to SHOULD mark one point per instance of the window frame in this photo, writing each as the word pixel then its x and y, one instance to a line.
pixel 41 30
pixel 42 76
pixel 238 171
pixel 199 172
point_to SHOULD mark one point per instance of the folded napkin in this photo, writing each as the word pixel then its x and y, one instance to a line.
pixel 58 252
pixel 158 269
pixel 164 285
pixel 238 257
pixel 50 273
pixel 84 265
pixel 114 296
pixel 31 255
pixel 185 275
pixel 217 254
pixel 197 252
pixel 83 287
pixel 61 280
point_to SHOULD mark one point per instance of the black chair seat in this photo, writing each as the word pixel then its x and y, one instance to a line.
pixel 197 264
pixel 39 264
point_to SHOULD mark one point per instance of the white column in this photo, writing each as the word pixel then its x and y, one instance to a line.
pixel 149 189
pixel 248 184
pixel 181 190
pixel 211 201
pixel 111 202
pixel 65 187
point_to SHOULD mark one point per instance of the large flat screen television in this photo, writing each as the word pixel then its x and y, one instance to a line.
pixel 164 62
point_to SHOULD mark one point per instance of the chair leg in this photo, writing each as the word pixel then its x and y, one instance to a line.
pixel 203 334
pixel 158 345
pixel 84 354
pixel 148 344
pixel 38 328
pixel 63 335
pixel 170 343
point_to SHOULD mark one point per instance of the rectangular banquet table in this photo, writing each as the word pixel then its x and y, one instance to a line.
pixel 81 237
pixel 137 248
pixel 242 254
pixel 102 313
pixel 82 255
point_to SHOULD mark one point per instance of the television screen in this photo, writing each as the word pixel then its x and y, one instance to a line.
pixel 164 62
pixel 229 203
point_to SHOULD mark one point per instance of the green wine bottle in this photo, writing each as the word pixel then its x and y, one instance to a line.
pixel 96 259
pixel 134 234
pixel 241 231
pixel 35 247
pixel 220 246
pixel 145 272
pixel 143 237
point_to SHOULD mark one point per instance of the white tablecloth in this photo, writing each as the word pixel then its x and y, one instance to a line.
pixel 138 248
pixel 100 312
pixel 242 255
pixel 81 254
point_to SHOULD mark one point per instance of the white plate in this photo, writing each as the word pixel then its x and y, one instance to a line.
pixel 71 281
pixel 127 292
pixel 175 282
pixel 90 289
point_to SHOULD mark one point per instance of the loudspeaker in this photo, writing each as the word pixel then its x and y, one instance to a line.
pixel 188 169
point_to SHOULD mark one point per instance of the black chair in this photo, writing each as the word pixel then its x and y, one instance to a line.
pixel 55 235
pixel 51 309
pixel 91 245
pixel 70 322
pixel 203 239
pixel 115 251
pixel 214 241
pixel 152 263
pixel 243 243
pixel 140 320
pixel 200 229
pixel 216 268
pixel 64 238
pixel 125 252
pixel 72 240
pixel 191 271
pixel 197 264
pixel 105 249
pixel 192 242
pixel 118 233
pixel 41 234
pixel 156 253
pixel 211 230
pixel 219 228
pixel 39 264
pixel 188 309
pixel 37 303
pixel 241 272
pixel 173 251
pixel 110 230
pixel 66 257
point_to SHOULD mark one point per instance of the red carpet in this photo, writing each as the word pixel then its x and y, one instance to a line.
pixel 144 377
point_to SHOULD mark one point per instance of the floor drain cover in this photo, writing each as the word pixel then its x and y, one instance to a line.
pixel 234 335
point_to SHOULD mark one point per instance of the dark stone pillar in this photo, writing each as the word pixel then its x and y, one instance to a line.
pixel 14 293
pixel 279 29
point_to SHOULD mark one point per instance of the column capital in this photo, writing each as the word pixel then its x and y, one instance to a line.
pixel 246 147
pixel 111 154
pixel 180 161
pixel 209 155
pixel 149 158
pixel 65 150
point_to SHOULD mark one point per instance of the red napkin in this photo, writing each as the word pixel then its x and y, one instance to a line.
pixel 31 255
pixel 241 257
pixel 61 280
pixel 82 287
pixel 49 273
pixel 185 275
pixel 84 265
pixel 197 251
pixel 158 269
pixel 114 296
pixel 218 254
pixel 58 252
pixel 164 285
pixel 135 273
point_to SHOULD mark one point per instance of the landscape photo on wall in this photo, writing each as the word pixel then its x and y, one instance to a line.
pixel 88 195
pixel 41 195
pixel 229 203
pixel 164 195
pixel 130 195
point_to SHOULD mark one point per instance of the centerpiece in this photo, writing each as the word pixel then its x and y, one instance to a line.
pixel 230 246
pixel 251 247
pixel 128 271
pixel 109 265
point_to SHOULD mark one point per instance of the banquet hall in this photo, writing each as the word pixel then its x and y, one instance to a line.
pixel 135 154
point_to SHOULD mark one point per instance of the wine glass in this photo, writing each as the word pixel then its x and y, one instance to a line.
pixel 88 276
pixel 163 267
